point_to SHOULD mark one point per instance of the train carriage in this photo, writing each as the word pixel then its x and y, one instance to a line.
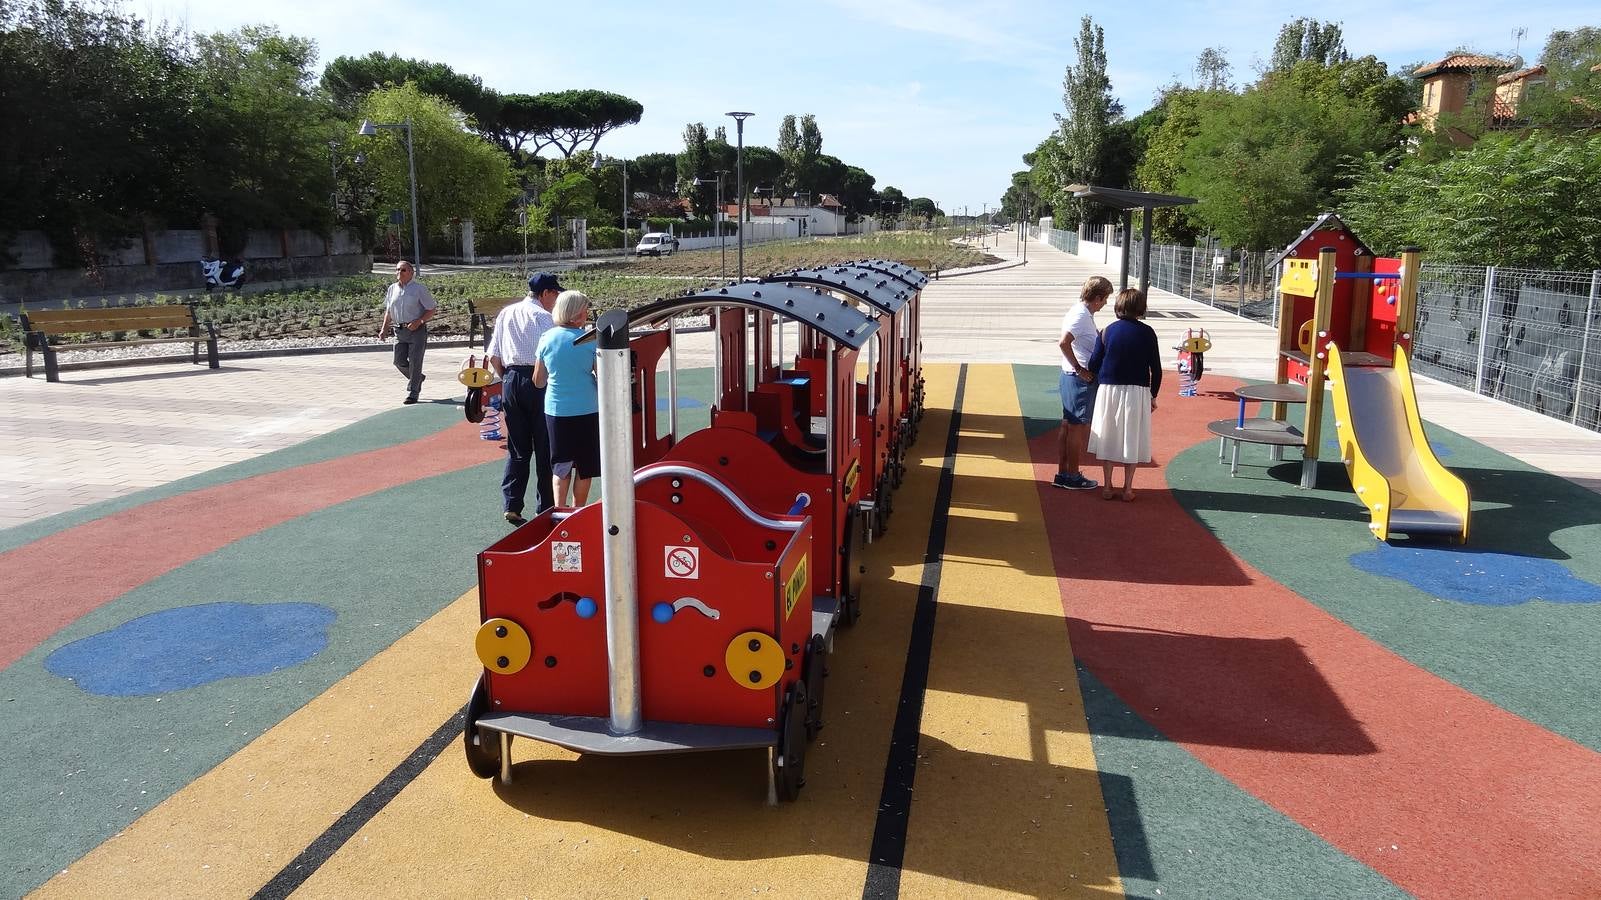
pixel 881 398
pixel 693 607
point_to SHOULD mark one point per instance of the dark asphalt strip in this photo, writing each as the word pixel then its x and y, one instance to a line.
pixel 900 768
pixel 319 851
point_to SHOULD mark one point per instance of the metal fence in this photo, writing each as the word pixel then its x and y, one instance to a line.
pixel 1528 337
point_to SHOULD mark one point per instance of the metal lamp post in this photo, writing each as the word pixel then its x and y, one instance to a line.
pixel 739 168
pixel 600 162
pixel 717 220
pixel 369 128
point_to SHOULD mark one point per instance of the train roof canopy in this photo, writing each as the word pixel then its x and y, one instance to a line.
pixel 880 289
pixel 914 278
pixel 810 306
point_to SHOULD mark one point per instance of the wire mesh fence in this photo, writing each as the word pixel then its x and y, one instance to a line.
pixel 1528 337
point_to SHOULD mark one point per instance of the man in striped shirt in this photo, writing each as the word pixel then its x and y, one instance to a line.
pixel 512 350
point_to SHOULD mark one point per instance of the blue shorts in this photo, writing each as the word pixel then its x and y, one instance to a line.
pixel 1078 399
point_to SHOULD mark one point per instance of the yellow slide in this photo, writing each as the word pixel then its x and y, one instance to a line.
pixel 1392 467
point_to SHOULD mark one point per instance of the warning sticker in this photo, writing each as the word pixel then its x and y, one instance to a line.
pixel 795 588
pixel 566 556
pixel 683 562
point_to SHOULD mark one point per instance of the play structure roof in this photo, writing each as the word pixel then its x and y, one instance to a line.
pixel 1326 221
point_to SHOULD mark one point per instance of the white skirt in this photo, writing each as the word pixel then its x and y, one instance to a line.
pixel 1120 430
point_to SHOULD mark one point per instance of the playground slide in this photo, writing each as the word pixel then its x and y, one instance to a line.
pixel 1392 467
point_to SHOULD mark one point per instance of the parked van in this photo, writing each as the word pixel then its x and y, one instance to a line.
pixel 657 243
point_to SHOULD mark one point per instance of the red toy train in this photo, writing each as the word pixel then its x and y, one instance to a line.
pixel 694 607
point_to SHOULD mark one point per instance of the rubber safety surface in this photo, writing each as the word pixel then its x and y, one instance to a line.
pixel 1206 692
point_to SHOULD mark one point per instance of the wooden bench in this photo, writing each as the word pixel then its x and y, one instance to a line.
pixel 481 315
pixel 38 326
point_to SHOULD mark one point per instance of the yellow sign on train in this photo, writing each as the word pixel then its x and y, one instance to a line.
pixel 1299 278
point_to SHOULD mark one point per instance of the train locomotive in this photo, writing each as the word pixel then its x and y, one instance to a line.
pixel 694 607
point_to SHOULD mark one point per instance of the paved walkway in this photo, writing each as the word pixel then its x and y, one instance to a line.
pixel 102 434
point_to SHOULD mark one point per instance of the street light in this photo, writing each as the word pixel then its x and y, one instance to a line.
pixel 369 128
pixel 739 168
pixel 623 164
pixel 718 218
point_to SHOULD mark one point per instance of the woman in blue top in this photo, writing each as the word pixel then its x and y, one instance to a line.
pixel 572 405
pixel 1128 369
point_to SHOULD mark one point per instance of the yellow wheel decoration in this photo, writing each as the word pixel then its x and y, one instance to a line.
pixel 754 660
pixel 503 646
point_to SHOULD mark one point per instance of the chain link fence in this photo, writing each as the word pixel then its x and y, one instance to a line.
pixel 1528 337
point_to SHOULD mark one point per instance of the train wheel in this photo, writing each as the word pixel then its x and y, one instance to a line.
pixel 816 669
pixel 483 753
pixel 789 764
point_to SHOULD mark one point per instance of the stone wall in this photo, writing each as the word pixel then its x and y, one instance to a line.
pixel 169 261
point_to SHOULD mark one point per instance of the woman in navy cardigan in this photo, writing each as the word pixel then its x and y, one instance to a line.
pixel 1128 373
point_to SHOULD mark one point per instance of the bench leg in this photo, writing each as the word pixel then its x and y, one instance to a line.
pixel 51 372
pixel 1234 463
pixel 27 362
pixel 211 353
pixel 1222 447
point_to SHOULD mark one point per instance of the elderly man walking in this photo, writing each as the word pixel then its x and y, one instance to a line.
pixel 513 351
pixel 408 306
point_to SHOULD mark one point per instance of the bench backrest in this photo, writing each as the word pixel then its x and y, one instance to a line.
pixel 490 307
pixel 113 318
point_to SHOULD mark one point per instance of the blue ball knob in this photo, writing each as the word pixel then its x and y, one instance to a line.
pixel 586 608
pixel 662 612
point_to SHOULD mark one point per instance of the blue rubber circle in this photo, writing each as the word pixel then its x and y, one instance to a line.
pixel 585 607
pixel 662 612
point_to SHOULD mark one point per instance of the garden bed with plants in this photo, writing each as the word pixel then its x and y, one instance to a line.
pixel 349 311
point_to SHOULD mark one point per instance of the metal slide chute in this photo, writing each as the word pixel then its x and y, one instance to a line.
pixel 1392 467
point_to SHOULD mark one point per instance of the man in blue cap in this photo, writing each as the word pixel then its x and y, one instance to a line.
pixel 513 348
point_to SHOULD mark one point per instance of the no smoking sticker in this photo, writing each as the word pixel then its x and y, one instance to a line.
pixel 683 562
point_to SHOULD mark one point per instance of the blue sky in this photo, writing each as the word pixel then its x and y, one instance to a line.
pixel 937 98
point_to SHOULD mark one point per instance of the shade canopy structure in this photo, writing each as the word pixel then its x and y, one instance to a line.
pixel 1127 201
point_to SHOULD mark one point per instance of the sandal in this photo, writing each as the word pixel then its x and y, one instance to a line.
pixel 1106 493
pixel 1128 495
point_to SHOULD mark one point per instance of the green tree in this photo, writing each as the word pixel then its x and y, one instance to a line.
pixel 1174 121
pixel 856 192
pixel 891 205
pixel 654 172
pixel 265 160
pixel 349 79
pixel 1569 98
pixel 811 149
pixel 572 196
pixel 1212 70
pixel 1306 39
pixel 789 150
pixel 1264 163
pixel 1089 113
pixel 695 162
pixel 1506 201
pixel 580 118
pixel 763 166
pixel 97 109
pixel 459 174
